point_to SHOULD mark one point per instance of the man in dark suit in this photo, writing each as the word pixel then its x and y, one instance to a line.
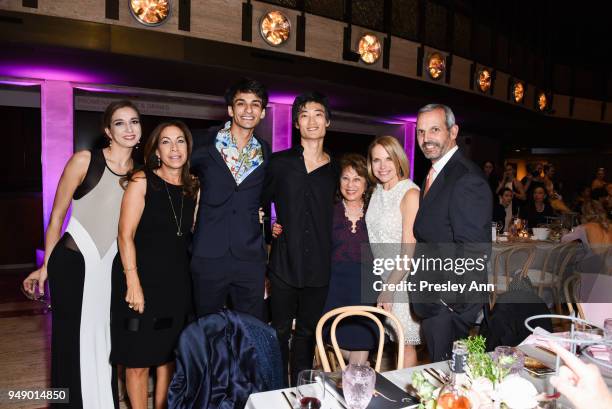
pixel 454 213
pixel 229 256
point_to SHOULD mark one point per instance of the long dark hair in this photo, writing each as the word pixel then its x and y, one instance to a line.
pixel 151 163
pixel 360 165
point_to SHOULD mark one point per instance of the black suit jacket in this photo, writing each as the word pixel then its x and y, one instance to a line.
pixel 454 221
pixel 228 215
pixel 458 206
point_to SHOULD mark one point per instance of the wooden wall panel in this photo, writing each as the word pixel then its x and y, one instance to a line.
pixel 587 109
pixel 460 73
pixel 500 91
pixel 403 57
pixel 561 105
pixel 219 20
pixel 323 38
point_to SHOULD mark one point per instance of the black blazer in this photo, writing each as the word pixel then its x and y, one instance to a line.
pixel 453 221
pixel 458 206
pixel 228 215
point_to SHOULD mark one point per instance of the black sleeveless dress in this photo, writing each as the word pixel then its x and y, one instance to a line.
pixel 149 339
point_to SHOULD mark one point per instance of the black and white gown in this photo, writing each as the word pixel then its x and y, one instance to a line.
pixel 79 271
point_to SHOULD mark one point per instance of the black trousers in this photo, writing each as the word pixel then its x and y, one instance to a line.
pixel 305 305
pixel 441 327
pixel 214 279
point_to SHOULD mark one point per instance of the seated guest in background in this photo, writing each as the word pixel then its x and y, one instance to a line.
pixel 533 178
pixel 510 181
pixel 301 182
pixel 151 291
pixel 537 209
pixel 229 257
pixel 488 167
pixel 608 200
pixel 596 228
pixel 504 209
pixel 355 335
pixel 583 197
pixel 553 187
pixel 600 179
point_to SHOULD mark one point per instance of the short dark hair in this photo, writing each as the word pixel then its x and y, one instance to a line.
pixel 247 85
pixel 504 190
pixel 301 101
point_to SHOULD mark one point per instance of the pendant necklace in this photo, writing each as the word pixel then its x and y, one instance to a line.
pixel 178 221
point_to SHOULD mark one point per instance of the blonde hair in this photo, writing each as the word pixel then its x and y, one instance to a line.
pixel 594 212
pixel 398 156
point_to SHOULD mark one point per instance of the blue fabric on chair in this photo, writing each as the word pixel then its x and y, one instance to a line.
pixel 221 359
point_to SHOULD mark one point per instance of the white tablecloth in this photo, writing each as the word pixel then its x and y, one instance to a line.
pixel 401 378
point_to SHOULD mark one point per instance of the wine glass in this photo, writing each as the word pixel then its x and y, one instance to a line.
pixel 500 228
pixel 358 383
pixel 310 389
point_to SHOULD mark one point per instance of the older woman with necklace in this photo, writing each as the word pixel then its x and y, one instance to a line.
pixel 151 297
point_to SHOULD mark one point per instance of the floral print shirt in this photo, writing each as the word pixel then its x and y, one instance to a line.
pixel 240 162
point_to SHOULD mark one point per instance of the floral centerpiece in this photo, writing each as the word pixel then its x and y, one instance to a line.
pixel 490 384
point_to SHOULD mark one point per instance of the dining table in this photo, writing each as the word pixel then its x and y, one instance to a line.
pixel 284 398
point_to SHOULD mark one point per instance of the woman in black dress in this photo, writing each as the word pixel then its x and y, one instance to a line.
pixel 538 209
pixel 151 296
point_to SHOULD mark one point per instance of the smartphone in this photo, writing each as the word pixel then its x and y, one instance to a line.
pixel 537 368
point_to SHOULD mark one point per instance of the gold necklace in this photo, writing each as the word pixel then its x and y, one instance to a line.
pixel 179 222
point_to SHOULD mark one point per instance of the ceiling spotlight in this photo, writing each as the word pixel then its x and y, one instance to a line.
pixel 275 28
pixel 518 92
pixel 484 80
pixel 436 64
pixel 369 48
pixel 542 101
pixel 150 12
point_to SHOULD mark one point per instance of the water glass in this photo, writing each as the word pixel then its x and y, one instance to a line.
pixel 310 389
pixel 358 383
pixel 509 358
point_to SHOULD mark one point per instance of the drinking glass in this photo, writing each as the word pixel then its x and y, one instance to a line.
pixel 509 358
pixel 358 383
pixel 310 389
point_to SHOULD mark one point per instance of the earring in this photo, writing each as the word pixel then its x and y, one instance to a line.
pixel 158 162
pixel 137 145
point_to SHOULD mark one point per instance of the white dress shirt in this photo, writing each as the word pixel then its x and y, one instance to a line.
pixel 439 165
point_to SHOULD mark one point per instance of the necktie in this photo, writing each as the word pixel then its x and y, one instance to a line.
pixel 429 180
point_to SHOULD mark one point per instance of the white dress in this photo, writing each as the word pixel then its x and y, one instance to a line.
pixel 384 222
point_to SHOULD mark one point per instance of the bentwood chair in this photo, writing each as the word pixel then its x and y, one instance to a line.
pixel 553 271
pixel 571 290
pixel 363 311
pixel 507 258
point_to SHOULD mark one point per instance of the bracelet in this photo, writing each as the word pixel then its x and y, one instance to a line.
pixel 127 270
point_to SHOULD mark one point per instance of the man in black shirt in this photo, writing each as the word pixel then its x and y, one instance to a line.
pixel 301 182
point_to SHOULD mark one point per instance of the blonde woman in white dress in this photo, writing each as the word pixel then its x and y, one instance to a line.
pixel 389 219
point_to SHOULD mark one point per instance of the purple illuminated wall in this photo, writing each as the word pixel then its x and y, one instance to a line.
pixel 281 127
pixel 56 106
pixel 409 144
